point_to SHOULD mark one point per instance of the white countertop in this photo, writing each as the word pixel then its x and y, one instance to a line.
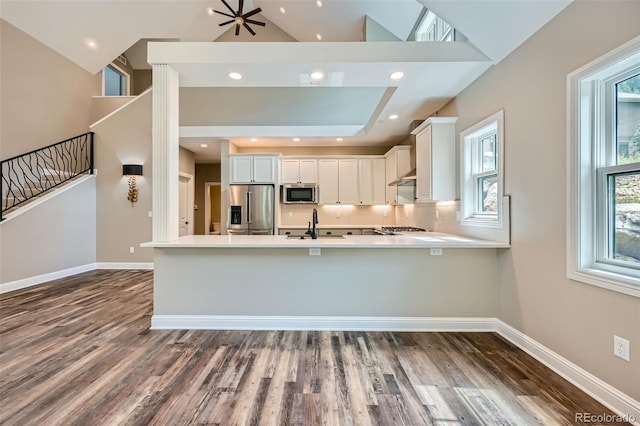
pixel 412 240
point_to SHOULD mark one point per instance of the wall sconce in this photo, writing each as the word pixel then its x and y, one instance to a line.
pixel 132 170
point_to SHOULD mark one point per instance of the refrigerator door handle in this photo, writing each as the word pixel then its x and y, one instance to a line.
pixel 249 212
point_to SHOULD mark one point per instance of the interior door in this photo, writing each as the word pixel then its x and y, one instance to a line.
pixel 183 211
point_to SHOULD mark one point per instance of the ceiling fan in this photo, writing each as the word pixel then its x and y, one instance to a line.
pixel 239 18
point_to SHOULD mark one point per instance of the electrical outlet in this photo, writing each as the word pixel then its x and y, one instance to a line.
pixel 338 213
pixel 436 252
pixel 437 214
pixel 621 347
pixel 385 213
pixel 315 252
pixel 150 213
pixel 132 249
pixel 290 214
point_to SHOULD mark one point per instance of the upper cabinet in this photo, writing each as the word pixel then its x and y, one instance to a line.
pixel 338 181
pixel 372 181
pixel 252 168
pixel 435 159
pixel 397 165
pixel 299 170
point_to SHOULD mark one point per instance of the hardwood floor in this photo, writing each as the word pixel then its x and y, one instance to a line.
pixel 78 351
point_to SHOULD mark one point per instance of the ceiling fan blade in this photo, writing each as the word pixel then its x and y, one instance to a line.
pixel 227 22
pixel 251 21
pixel 240 5
pixel 237 29
pixel 249 29
pixel 253 12
pixel 229 7
pixel 225 14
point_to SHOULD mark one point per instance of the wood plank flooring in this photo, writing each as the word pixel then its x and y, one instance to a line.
pixel 79 351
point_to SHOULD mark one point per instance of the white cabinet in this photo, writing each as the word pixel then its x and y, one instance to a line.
pixel 371 181
pixel 303 170
pixel 253 168
pixel 398 164
pixel 435 159
pixel 338 181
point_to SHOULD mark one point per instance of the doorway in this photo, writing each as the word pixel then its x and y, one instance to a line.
pixel 185 204
pixel 212 212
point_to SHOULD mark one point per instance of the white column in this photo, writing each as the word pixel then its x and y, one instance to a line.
pixel 165 152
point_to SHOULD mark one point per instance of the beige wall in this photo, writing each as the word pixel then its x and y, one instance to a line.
pixel 45 98
pixel 186 162
pixel 141 81
pixel 101 106
pixel 204 173
pixel 56 235
pixel 576 320
pixel 124 138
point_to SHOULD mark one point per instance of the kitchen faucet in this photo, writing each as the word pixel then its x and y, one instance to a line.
pixel 314 220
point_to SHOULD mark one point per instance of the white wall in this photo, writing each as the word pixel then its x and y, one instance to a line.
pixel 58 234
pixel 576 320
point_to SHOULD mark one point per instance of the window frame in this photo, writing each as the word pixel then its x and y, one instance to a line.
pixel 591 154
pixel 123 73
pixel 470 156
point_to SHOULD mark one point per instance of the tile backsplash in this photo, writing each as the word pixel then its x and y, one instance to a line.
pixel 300 215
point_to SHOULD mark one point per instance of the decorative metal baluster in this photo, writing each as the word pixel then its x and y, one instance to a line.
pixel 26 176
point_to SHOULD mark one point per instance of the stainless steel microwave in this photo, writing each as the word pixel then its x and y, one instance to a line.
pixel 300 193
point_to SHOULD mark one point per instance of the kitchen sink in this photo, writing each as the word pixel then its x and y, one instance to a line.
pixel 307 237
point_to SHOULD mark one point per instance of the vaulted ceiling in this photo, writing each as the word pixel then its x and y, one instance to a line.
pixel 275 100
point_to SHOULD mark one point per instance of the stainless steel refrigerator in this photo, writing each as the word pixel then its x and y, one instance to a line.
pixel 251 209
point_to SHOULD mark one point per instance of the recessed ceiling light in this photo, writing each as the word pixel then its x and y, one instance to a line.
pixel 282 10
pixel 319 3
pixel 204 145
pixel 296 139
pixel 393 116
pixel 210 11
pixel 92 44
pixel 254 140
pixel 235 75
pixel 319 36
pixel 339 139
pixel 397 75
pixel 316 75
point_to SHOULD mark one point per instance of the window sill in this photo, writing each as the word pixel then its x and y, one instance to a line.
pixel 482 222
pixel 607 280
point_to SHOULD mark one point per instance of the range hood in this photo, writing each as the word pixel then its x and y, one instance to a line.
pixel 408 179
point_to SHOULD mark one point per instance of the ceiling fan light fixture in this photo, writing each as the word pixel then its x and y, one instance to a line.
pixel 239 18
pixel 235 76
pixel 210 11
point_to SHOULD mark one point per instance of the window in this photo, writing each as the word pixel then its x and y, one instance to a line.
pixel 433 28
pixel 116 81
pixel 604 171
pixel 481 166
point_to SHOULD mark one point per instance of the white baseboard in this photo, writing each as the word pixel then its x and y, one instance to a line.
pixel 40 279
pixel 31 281
pixel 124 265
pixel 241 322
pixel 609 396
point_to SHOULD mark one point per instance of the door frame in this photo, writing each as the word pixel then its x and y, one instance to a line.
pixel 207 205
pixel 190 197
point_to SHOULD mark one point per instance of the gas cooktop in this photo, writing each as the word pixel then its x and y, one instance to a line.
pixel 391 230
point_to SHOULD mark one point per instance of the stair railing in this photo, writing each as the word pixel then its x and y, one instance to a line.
pixel 28 175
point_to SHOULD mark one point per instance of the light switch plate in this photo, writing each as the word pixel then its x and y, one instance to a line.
pixel 315 251
pixel 436 252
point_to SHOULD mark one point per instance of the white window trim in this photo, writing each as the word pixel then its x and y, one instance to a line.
pixel 583 185
pixel 121 70
pixel 469 216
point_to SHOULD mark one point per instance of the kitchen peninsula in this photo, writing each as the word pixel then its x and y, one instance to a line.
pixel 403 282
